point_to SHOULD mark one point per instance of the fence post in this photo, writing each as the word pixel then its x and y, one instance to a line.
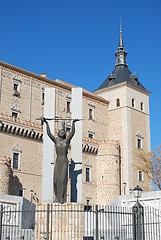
pixel 138 222
pixel 96 222
pixel 48 210
pixel 1 213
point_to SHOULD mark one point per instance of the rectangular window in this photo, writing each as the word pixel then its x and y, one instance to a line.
pixel 139 143
pixel 68 129
pixel 118 102
pixel 14 114
pixel 140 176
pixel 133 102
pixel 90 113
pixel 88 172
pixel 16 89
pixel 90 134
pixel 20 193
pixel 15 86
pixel 15 160
pixel 68 106
pixel 42 97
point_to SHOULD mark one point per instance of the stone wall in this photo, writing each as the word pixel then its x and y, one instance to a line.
pixel 126 122
pixel 4 174
pixel 29 103
pixel 108 123
pixel 29 173
pixel 108 172
pixel 19 132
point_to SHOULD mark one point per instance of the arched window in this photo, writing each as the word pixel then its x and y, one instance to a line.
pixel 141 106
pixel 133 102
pixel 118 102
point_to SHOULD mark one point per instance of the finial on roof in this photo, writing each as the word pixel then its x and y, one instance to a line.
pixel 121 39
pixel 121 54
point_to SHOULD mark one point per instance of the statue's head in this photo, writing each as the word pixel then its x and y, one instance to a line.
pixel 62 133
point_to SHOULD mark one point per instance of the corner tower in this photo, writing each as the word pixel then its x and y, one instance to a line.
pixel 129 120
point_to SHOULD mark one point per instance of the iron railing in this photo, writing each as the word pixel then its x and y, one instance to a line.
pixel 75 222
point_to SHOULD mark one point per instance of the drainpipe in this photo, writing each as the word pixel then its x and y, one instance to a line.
pixel 120 168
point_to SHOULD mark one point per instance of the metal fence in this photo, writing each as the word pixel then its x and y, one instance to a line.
pixel 75 222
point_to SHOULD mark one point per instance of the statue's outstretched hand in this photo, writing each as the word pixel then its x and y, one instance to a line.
pixel 43 119
pixel 76 120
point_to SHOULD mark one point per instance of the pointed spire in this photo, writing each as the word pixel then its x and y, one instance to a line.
pixel 121 53
pixel 121 39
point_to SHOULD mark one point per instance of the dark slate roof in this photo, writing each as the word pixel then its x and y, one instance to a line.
pixel 119 75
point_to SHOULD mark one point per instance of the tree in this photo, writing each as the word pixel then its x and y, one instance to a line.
pixel 150 164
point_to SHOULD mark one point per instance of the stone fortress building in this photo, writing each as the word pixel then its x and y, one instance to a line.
pixel 116 124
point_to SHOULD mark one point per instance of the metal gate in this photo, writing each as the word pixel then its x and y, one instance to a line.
pixel 75 222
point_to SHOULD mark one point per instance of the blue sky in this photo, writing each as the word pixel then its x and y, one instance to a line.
pixel 75 41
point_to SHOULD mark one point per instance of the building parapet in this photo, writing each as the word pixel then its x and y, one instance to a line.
pixel 15 126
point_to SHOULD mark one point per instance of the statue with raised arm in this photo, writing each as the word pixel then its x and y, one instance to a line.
pixel 61 165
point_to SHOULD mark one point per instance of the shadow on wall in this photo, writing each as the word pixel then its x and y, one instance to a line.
pixel 74 178
pixel 15 186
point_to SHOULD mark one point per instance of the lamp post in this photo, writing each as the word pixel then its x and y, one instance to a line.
pixel 138 216
pixel 137 191
pixel 31 194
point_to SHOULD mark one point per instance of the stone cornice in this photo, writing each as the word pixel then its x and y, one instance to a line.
pixel 34 131
pixel 89 148
pixel 57 83
pixel 92 145
pixel 16 127
pixel 18 121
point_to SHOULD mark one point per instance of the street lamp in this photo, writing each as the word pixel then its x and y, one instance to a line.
pixel 31 194
pixel 138 216
pixel 137 191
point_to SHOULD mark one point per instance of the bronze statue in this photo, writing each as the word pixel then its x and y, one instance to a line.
pixel 61 165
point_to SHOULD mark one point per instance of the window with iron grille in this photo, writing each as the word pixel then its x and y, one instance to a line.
pixel 88 174
pixel 15 160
